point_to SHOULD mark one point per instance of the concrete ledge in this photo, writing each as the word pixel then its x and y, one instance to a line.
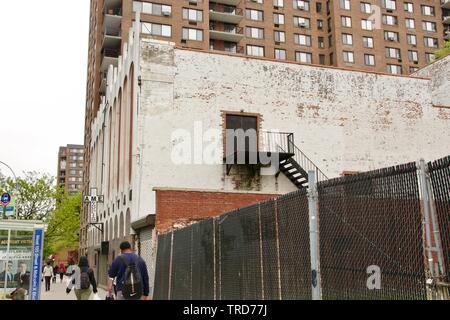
pixel 215 191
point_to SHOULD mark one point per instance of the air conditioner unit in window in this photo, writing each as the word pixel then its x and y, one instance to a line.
pixel 391 38
pixel 166 13
pixel 301 7
pixel 389 10
pixel 183 41
pixel 416 62
pixel 276 25
pixel 302 24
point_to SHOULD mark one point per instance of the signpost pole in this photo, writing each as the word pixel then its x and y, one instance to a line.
pixel 16 183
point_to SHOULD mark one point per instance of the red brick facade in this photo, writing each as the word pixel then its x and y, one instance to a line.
pixel 174 206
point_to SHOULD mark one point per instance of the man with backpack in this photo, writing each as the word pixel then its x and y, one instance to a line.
pixel 131 273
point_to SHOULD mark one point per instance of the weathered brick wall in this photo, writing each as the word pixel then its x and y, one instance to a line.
pixel 176 208
pixel 439 72
pixel 342 120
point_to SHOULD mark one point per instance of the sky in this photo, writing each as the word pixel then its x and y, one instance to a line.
pixel 43 70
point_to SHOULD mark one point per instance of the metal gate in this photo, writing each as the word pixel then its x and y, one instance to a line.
pixel 146 252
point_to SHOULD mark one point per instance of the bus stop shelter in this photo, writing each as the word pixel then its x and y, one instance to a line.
pixel 21 249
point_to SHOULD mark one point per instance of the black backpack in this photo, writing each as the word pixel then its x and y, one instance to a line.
pixel 132 281
pixel 85 282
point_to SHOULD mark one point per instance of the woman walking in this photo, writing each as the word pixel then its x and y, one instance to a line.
pixel 62 271
pixel 47 273
pixel 82 280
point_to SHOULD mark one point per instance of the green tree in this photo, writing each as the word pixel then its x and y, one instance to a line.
pixel 64 224
pixel 34 193
pixel 443 52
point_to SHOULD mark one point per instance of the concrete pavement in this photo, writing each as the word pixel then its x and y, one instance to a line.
pixel 58 292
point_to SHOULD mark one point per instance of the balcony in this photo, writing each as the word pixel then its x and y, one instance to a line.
pixel 230 48
pixel 446 20
pixel 446 4
pixel 228 2
pixel 225 13
pixel 112 37
pixel 109 57
pixel 226 33
pixel 258 148
pixel 103 82
pixel 112 17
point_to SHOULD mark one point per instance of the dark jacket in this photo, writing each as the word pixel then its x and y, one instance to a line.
pixel 84 267
pixel 118 270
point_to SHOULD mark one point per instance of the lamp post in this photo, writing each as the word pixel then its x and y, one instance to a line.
pixel 17 185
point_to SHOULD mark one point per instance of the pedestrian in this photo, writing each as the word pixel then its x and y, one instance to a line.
pixel 62 271
pixel 131 275
pixel 82 280
pixel 47 273
pixel 55 272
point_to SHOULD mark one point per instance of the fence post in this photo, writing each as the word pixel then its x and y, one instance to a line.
pixel 437 272
pixel 169 292
pixel 313 199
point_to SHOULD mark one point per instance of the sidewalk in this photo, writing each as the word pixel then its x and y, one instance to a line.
pixel 58 292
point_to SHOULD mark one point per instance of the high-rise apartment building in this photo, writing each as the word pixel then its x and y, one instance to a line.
pixel 446 18
pixel 70 168
pixel 388 36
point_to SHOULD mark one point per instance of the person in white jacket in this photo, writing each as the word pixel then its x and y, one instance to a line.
pixel 47 274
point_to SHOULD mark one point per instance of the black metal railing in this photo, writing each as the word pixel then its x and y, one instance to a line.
pixel 307 164
pixel 226 9
pixel 224 28
pixel 232 49
pixel 273 141
pixel 111 53
pixel 113 11
pixel 114 32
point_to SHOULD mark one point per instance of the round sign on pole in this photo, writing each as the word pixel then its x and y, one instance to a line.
pixel 5 199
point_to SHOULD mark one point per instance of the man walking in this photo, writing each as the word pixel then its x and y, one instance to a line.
pixel 122 268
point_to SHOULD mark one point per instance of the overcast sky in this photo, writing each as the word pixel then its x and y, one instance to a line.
pixel 43 60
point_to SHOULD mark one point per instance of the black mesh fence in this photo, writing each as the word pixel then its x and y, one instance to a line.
pixel 240 258
pixel 370 224
pixel 203 260
pixel 181 280
pixel 372 221
pixel 440 180
pixel 162 269
pixel 293 232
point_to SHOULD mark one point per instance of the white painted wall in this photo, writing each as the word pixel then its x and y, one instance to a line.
pixel 439 72
pixel 343 120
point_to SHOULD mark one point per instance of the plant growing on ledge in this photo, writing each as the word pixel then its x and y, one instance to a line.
pixel 443 52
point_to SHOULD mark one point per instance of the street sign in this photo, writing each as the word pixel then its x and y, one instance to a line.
pixel 90 199
pixel 93 199
pixel 5 199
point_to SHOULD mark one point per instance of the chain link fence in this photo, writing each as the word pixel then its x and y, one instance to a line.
pixel 371 243
pixel 372 219
pixel 440 179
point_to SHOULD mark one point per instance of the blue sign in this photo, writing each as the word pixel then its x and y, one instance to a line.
pixel 6 199
pixel 8 209
pixel 36 268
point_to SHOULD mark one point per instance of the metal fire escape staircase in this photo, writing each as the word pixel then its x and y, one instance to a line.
pixel 293 163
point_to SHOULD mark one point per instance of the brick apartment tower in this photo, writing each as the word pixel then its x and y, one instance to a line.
pixel 372 35
pixel 70 168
